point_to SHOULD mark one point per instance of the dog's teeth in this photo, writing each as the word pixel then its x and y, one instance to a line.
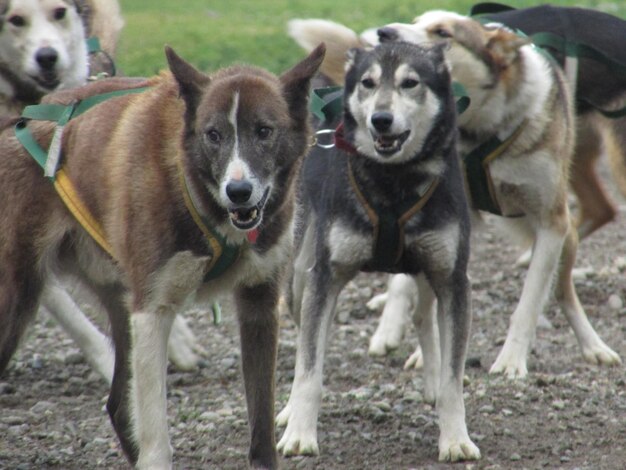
pixel 234 215
pixel 254 213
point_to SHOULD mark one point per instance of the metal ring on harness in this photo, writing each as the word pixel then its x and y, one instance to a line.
pixel 324 132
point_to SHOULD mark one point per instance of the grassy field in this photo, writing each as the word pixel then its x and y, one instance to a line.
pixel 215 33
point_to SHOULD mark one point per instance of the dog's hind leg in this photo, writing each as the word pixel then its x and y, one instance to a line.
pixel 20 289
pixel 594 350
pixel 96 346
pixel 546 253
pixel 258 328
pixel 301 412
pixel 401 301
pixel 428 350
pixel 594 206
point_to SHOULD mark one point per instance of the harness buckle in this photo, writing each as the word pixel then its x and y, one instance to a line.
pixel 324 132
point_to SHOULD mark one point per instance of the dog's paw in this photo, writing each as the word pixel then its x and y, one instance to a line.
pixel 459 450
pixel 183 346
pixel 377 302
pixel 601 354
pixel 415 360
pixel 300 437
pixel 385 340
pixel 283 417
pixel 524 259
pixel 510 365
pixel 298 441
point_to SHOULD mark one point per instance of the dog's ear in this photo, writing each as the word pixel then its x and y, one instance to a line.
pixel 504 45
pixel 191 81
pixel 437 52
pixel 352 56
pixel 295 83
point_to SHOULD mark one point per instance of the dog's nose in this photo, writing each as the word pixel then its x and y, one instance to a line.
pixel 239 191
pixel 382 121
pixel 47 58
pixel 387 34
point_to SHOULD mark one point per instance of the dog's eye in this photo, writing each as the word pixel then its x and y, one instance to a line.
pixel 409 83
pixel 442 33
pixel 264 132
pixel 59 13
pixel 17 20
pixel 368 83
pixel 213 136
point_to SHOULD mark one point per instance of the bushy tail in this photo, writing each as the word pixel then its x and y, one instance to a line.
pixel 338 39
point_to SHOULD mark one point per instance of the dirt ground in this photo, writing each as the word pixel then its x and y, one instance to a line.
pixel 566 414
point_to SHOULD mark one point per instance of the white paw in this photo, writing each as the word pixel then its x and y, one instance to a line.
pixel 415 360
pixel 601 354
pixel 386 339
pixel 461 449
pixel 299 438
pixel 377 302
pixel 524 260
pixel 510 365
pixel 183 345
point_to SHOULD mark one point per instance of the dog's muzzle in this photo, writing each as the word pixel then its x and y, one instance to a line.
pixel 243 215
pixel 385 142
pixel 47 59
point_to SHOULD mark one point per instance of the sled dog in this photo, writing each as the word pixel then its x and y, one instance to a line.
pixel 389 197
pixel 188 186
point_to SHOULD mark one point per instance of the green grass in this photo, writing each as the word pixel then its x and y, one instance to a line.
pixel 215 33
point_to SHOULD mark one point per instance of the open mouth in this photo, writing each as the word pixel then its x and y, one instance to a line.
pixel 247 218
pixel 387 144
pixel 47 81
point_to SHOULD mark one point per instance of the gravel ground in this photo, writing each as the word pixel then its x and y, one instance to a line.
pixel 566 414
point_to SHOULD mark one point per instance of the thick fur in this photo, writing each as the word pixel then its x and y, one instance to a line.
pixel 60 28
pixel 592 82
pixel 410 87
pixel 127 158
pixel 43 49
pixel 509 82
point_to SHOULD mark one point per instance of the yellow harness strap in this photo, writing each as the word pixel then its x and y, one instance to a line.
pixel 68 194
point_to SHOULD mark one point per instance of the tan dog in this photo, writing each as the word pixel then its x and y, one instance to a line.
pixel 192 183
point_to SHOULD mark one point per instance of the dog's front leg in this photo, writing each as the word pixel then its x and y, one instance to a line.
pixel 454 321
pixel 149 337
pixel 258 327
pixel 300 414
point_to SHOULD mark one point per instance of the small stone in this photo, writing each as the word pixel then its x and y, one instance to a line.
pixel 41 407
pixel 74 358
pixel 558 404
pixel 487 409
pixel 342 317
pixel 382 405
pixel 615 302
pixel 14 420
pixel 515 457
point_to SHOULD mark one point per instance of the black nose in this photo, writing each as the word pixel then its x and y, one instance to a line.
pixel 239 191
pixel 382 121
pixel 47 58
pixel 387 34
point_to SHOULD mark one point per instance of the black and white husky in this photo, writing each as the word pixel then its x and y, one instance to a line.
pixel 388 198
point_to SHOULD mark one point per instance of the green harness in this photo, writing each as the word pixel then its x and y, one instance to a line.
pixel 225 254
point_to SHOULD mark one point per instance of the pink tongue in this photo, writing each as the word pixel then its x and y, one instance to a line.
pixel 253 235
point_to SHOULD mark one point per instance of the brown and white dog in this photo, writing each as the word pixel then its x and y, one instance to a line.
pixel 167 172
pixel 519 96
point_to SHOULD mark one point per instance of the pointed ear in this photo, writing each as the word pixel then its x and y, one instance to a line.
pixel 296 81
pixel 437 52
pixel 504 46
pixel 191 81
pixel 352 56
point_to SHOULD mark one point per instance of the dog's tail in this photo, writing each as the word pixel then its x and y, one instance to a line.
pixel 338 39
